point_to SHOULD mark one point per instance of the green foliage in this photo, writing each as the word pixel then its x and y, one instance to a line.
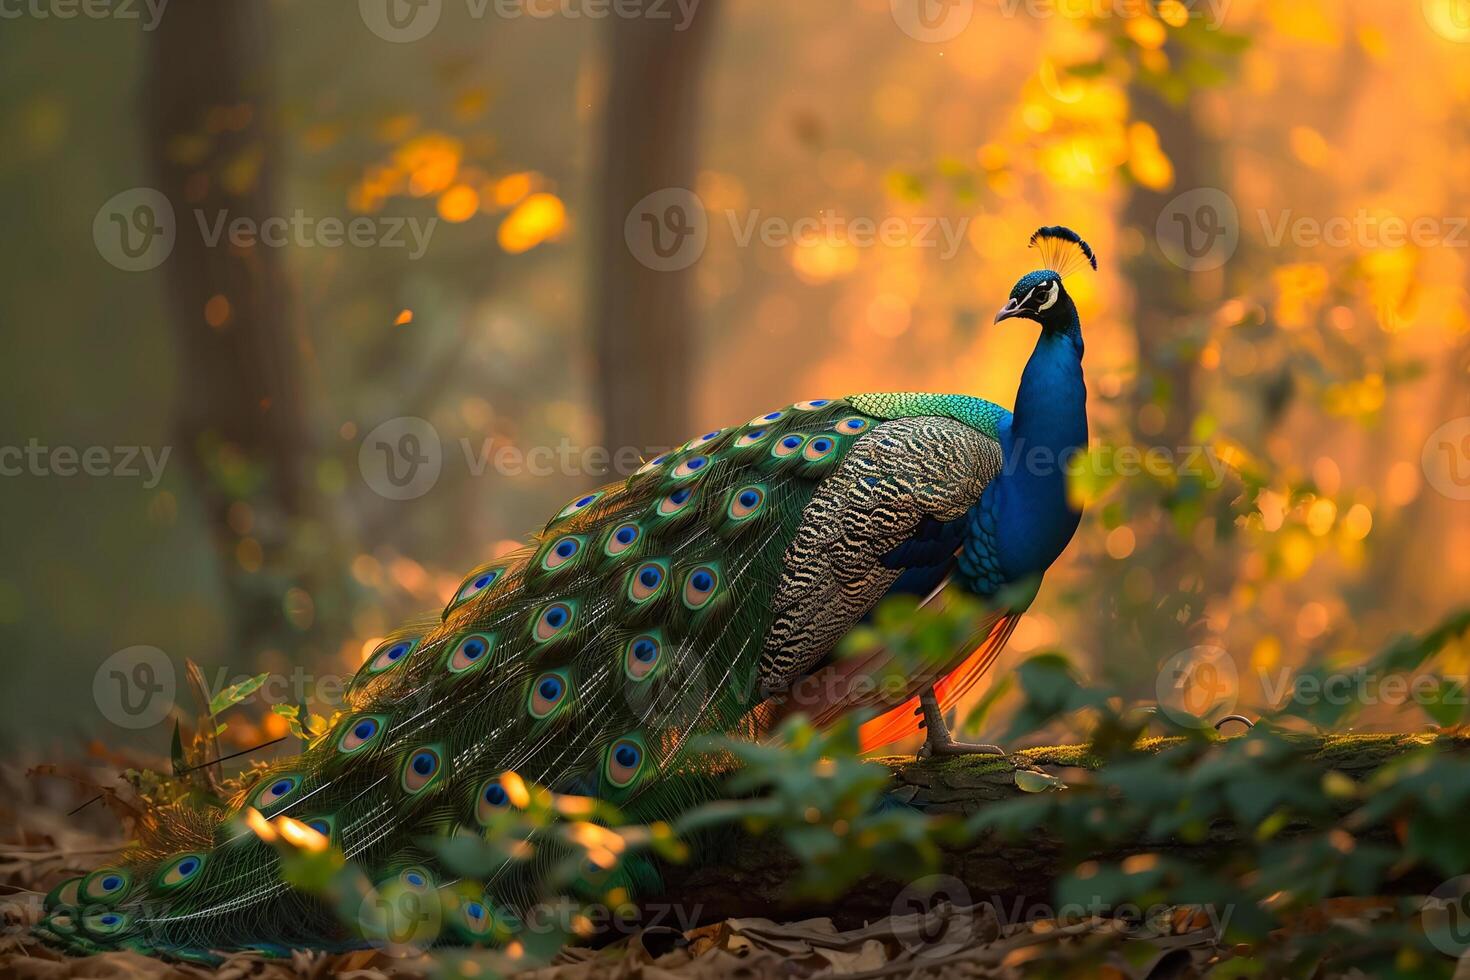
pixel 235 693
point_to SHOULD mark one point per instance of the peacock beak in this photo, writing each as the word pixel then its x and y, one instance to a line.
pixel 1012 308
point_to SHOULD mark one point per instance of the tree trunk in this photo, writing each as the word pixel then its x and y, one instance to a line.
pixel 641 304
pixel 754 880
pixel 240 418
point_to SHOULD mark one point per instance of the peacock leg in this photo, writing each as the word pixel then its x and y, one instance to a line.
pixel 938 741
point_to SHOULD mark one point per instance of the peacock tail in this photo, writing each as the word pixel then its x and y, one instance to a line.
pixel 644 614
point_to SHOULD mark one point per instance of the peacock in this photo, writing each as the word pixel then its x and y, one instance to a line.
pixel 705 594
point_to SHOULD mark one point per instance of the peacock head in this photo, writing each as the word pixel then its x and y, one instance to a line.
pixel 1040 295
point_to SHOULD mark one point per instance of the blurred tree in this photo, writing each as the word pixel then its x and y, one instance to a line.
pixel 240 413
pixel 642 318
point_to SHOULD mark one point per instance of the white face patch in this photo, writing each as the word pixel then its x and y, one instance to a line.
pixel 1050 300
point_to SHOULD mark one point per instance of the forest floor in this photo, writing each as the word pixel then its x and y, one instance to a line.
pixel 42 842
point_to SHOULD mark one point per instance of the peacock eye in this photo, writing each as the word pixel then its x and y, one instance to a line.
pixel 105 885
pixel 624 760
pixel 477 583
pixel 470 652
pixel 746 502
pixel 276 790
pixel 852 425
pixel 646 581
pixel 476 918
pixel 390 654
pixel 675 502
pixel 562 551
pixel 690 467
pixel 580 504
pixel 416 878
pixel 421 770
pixel 553 620
pixel 621 539
pixel 751 438
pixel 699 586
pixel 819 449
pixel 182 870
pixel 492 800
pixel 768 417
pixel 546 694
pixel 106 924
pixel 813 405
pixel 788 446
pixel 652 464
pixel 359 732
pixel 705 439
pixel 642 657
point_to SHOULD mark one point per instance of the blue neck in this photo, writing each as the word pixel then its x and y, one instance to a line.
pixel 1034 520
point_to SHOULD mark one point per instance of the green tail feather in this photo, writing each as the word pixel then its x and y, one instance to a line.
pixel 586 662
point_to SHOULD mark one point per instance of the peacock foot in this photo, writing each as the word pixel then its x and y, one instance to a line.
pixel 943 748
pixel 938 743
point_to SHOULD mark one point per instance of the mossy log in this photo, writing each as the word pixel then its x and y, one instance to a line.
pixel 752 878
